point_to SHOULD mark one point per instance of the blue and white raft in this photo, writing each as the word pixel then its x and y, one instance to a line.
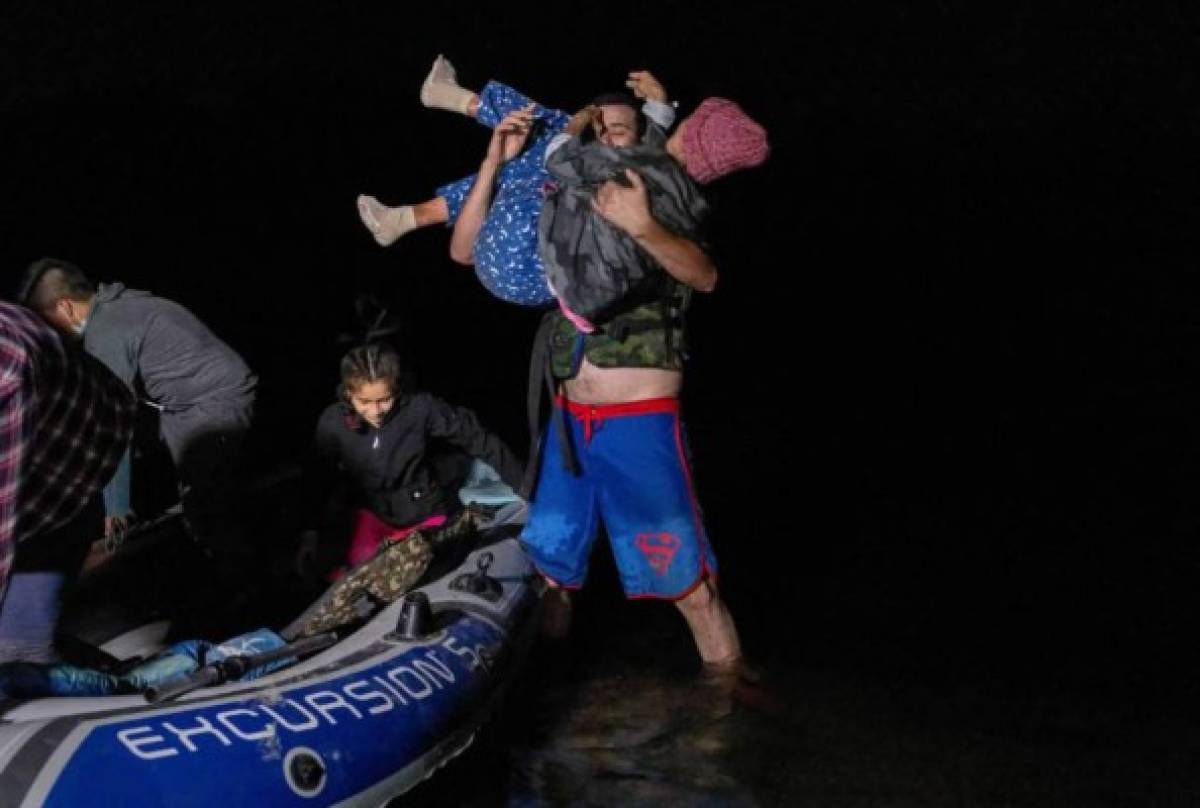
pixel 358 723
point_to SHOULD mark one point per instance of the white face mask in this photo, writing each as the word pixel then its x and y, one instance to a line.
pixel 78 327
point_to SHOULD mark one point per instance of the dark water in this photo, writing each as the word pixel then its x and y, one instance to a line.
pixel 620 718
pixel 614 716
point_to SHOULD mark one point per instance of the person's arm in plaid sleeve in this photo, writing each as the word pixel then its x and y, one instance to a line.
pixel 14 441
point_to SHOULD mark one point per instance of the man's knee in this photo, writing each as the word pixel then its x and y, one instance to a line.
pixel 701 599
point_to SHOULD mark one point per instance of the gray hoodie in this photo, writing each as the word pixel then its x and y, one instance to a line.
pixel 164 353
pixel 161 349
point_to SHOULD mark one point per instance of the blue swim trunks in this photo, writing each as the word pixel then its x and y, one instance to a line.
pixel 636 479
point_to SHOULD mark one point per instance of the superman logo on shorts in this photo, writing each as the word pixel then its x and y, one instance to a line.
pixel 659 549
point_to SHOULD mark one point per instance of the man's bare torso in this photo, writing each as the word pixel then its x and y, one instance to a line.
pixel 594 385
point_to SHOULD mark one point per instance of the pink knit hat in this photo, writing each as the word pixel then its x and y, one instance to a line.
pixel 720 138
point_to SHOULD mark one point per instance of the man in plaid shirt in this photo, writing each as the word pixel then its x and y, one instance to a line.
pixel 65 421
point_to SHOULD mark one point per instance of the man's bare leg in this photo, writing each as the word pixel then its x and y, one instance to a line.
pixel 388 224
pixel 556 612
pixel 712 626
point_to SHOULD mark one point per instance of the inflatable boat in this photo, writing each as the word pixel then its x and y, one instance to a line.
pixel 354 718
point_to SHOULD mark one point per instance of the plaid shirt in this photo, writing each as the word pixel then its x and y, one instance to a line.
pixel 65 420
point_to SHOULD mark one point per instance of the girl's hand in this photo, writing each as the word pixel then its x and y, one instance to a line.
pixel 508 138
pixel 580 121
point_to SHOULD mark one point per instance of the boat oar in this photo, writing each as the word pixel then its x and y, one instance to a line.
pixel 234 667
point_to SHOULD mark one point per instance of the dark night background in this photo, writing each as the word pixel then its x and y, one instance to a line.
pixel 943 402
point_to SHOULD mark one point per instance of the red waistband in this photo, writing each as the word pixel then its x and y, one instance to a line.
pixel 649 406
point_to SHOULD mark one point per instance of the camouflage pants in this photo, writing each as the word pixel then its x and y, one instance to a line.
pixel 390 573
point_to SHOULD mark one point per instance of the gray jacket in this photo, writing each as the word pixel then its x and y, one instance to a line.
pixel 166 355
pixel 162 348
pixel 593 267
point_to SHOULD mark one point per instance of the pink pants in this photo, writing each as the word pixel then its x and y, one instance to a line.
pixel 370 532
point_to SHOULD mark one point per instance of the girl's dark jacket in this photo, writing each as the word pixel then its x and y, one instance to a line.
pixel 389 470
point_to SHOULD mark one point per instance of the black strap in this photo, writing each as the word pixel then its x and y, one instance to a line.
pixel 539 354
pixel 541 376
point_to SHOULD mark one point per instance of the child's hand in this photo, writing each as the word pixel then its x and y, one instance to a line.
pixel 115 527
pixel 580 121
pixel 508 138
pixel 644 85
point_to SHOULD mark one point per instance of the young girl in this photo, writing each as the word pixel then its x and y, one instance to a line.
pixel 503 243
pixel 373 446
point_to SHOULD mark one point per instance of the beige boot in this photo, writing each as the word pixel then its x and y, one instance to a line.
pixel 386 224
pixel 441 90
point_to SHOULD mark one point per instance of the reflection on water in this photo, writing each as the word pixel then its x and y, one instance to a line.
pixel 620 715
pixel 635 740
pixel 630 740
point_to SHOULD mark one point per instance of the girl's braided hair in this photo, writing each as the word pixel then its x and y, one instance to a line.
pixel 372 360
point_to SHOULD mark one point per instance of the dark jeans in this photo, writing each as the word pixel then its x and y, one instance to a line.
pixel 44 565
pixel 205 443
